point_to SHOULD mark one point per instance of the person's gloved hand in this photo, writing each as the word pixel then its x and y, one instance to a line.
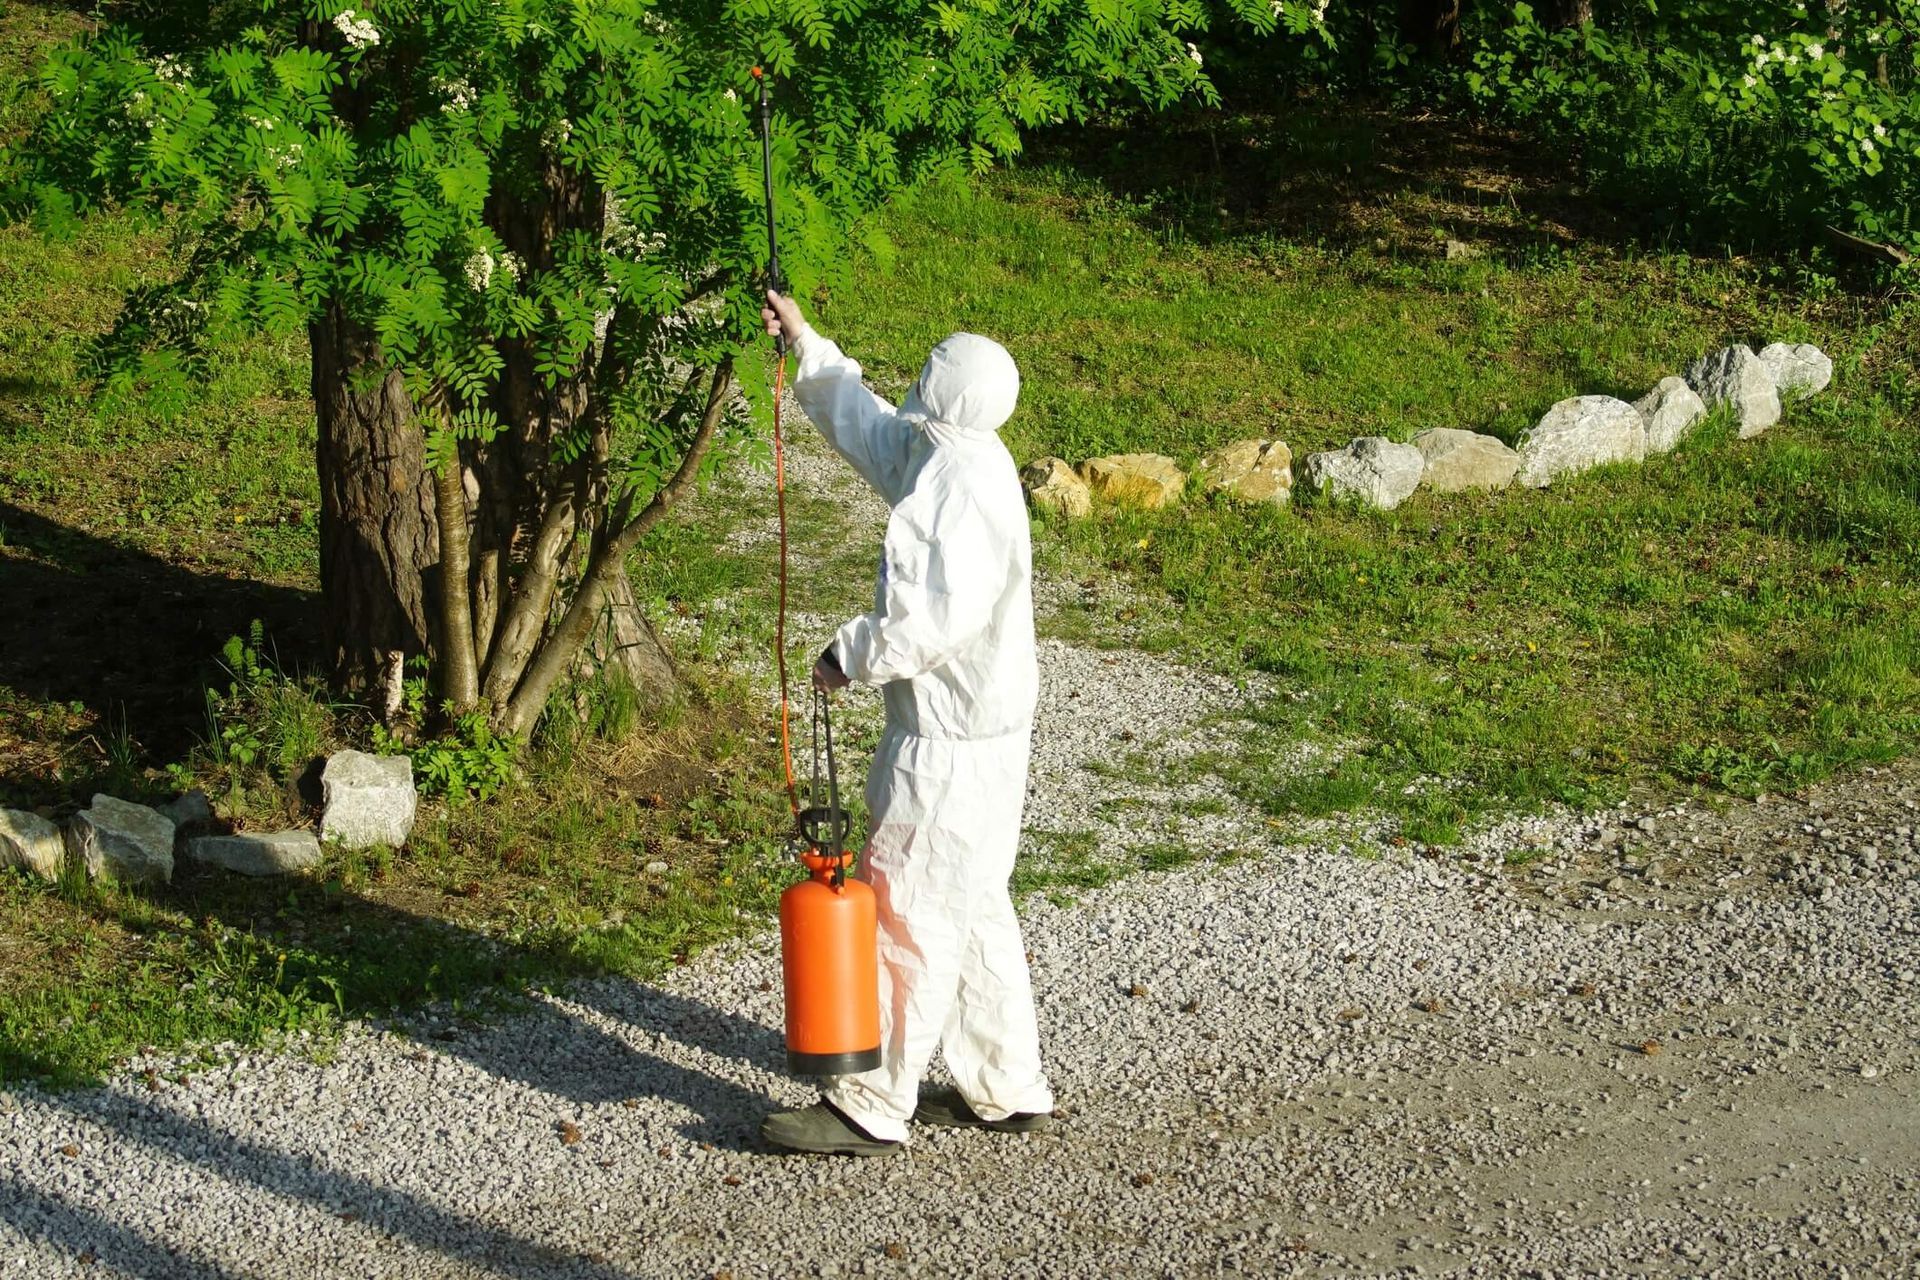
pixel 782 316
pixel 827 673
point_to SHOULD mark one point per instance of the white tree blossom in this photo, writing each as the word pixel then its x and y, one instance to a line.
pixel 480 270
pixel 359 32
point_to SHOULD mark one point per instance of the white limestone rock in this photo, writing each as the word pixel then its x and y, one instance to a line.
pixel 277 853
pixel 1457 460
pixel 1372 469
pixel 127 843
pixel 367 800
pixel 1579 434
pixel 1736 376
pixel 1251 471
pixel 29 841
pixel 1053 485
pixel 1799 369
pixel 1146 480
pixel 1671 411
pixel 190 809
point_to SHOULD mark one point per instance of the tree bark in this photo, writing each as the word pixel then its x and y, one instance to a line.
pixel 626 640
pixel 1572 13
pixel 377 524
pixel 459 672
pixel 1432 26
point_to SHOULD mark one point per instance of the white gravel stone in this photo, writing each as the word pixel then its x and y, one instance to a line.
pixel 1390 1056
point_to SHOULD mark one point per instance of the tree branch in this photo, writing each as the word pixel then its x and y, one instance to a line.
pixel 461 674
pixel 564 645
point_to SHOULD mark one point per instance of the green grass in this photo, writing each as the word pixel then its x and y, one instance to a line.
pixel 1057 864
pixel 487 900
pixel 1739 613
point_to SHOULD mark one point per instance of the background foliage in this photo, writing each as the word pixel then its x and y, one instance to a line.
pixel 1739 120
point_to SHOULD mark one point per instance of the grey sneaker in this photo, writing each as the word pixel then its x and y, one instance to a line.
pixel 823 1129
pixel 947 1109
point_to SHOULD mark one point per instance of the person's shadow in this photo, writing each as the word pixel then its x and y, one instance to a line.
pixel 640 1041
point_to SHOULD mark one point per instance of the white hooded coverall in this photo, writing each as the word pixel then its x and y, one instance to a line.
pixel 950 642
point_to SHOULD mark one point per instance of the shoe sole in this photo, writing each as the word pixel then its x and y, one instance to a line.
pixel 945 1121
pixel 831 1150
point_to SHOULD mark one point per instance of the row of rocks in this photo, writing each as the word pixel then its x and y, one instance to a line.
pixel 1575 435
pixel 367 801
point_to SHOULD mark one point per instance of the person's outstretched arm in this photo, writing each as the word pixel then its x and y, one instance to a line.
pixel 861 427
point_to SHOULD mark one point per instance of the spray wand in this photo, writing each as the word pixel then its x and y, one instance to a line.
pixel 777 285
pixel 829 958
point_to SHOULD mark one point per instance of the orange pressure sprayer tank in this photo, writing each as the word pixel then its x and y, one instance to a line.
pixel 829 957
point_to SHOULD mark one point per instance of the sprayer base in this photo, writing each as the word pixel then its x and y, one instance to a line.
pixel 833 1064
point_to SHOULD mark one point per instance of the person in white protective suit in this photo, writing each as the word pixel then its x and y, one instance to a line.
pixel 950 642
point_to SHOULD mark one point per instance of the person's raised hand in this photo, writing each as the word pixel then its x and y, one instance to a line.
pixel 782 316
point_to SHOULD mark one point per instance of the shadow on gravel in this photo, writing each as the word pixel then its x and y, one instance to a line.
pixel 92 1239
pixel 294 1177
pixel 310 940
pixel 548 1047
pixel 570 1059
pixel 593 1067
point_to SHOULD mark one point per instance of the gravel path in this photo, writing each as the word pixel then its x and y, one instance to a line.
pixel 1677 1040
pixel 1298 1063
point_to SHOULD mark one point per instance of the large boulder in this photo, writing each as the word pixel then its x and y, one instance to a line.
pixel 1799 369
pixel 1456 460
pixel 1742 379
pixel 277 854
pixel 30 841
pixel 1671 411
pixel 1052 485
pixel 1372 469
pixel 125 842
pixel 1250 470
pixel 1135 479
pixel 367 800
pixel 1576 434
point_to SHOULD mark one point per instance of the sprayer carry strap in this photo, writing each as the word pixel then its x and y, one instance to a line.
pixel 823 739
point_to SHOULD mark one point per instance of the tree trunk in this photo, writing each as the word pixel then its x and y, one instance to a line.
pixel 606 577
pixel 625 639
pixel 1571 13
pixel 471 567
pixel 459 676
pixel 1432 26
pixel 377 524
